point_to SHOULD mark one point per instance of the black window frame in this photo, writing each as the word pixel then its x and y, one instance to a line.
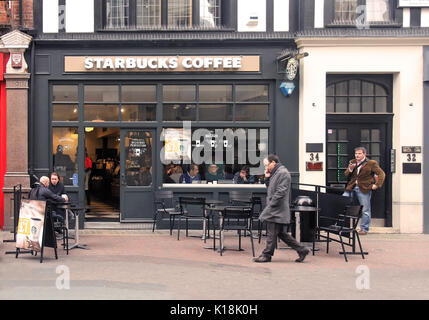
pixel 394 11
pixel 228 17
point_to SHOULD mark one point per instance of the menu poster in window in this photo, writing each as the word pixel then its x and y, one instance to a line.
pixel 29 234
pixel 177 145
pixel 136 152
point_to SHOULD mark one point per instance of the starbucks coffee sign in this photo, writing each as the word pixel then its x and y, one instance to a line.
pixel 162 63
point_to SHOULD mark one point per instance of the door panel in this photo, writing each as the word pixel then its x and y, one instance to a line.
pixel 137 154
pixel 341 140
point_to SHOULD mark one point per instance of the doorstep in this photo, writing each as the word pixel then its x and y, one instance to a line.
pixel 118 226
pixel 382 230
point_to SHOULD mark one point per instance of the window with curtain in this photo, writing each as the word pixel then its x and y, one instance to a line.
pixel 148 13
pixel 345 10
pixel 179 13
pixel 210 13
pixel 377 10
pixel 117 13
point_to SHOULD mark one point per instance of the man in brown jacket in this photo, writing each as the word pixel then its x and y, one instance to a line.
pixel 364 176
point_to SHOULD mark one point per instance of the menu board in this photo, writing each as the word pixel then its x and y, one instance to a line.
pixel 30 225
pixel 177 144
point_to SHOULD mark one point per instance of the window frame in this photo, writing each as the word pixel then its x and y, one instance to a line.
pixel 331 22
pixel 227 18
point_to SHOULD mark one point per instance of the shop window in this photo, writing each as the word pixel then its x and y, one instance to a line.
pixel 138 112
pixel 153 14
pixel 64 153
pixel 354 12
pixel 215 112
pixel 226 152
pixel 93 93
pixel 138 158
pixel 64 103
pixel 356 96
pixel 101 112
pixel 179 112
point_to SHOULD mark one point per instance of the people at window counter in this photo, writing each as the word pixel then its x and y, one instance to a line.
pixel 214 172
pixel 243 176
pixel 191 175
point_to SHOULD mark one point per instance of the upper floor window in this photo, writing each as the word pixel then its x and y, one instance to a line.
pixel 362 11
pixel 146 14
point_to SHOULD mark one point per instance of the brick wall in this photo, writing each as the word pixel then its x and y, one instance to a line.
pixel 9 14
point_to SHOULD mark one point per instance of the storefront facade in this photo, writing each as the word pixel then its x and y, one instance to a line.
pixel 139 98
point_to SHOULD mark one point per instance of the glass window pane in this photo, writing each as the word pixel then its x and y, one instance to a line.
pixel 251 93
pixel 216 112
pixel 345 10
pixel 354 88
pixel 101 112
pixel 376 159
pixel 375 149
pixel 210 13
pixel 332 162
pixel 364 135
pixel 65 112
pixel 178 93
pixel 380 104
pixel 138 94
pixel 341 104
pixel 251 113
pixel 117 13
pixel 380 91
pixel 101 93
pixel 332 148
pixel 341 89
pixel 330 90
pixel 342 148
pixel 332 134
pixel 375 135
pixel 179 13
pixel 367 88
pixel 65 142
pixel 179 112
pixel 332 176
pixel 367 104
pixel 215 93
pixel 138 158
pixel 378 10
pixel 148 13
pixel 354 104
pixel 343 162
pixel 139 112
pixel 330 104
pixel 342 134
pixel 64 93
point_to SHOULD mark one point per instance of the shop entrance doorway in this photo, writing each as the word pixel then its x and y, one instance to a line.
pixel 344 133
pixel 102 175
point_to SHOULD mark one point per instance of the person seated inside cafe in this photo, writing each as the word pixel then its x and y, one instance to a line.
pixel 243 176
pixel 191 175
pixel 214 172
pixel 227 172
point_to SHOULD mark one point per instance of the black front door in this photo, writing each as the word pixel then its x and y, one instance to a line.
pixel 344 133
pixel 137 176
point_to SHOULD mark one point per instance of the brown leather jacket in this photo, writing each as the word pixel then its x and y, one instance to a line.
pixel 366 176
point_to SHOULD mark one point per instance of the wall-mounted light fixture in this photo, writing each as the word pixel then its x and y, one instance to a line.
pixel 287 88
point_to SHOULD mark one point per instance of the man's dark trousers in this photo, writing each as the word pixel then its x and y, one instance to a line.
pixel 275 230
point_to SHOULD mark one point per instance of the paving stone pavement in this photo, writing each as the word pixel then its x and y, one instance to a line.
pixel 139 264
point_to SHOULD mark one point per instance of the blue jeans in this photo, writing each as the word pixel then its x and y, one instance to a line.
pixel 365 201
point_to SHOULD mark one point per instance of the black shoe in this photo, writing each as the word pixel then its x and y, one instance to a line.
pixel 302 255
pixel 262 258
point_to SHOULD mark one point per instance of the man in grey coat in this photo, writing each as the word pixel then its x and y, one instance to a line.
pixel 276 214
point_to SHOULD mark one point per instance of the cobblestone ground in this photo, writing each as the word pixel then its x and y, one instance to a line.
pixel 144 265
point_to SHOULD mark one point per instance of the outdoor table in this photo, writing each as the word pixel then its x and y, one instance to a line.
pixel 68 207
pixel 210 203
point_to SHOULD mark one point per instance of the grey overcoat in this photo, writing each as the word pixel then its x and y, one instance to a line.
pixel 278 193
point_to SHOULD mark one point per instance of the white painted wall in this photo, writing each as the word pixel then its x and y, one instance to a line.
pixel 424 21
pixel 406 17
pixel 249 9
pixel 281 15
pixel 319 7
pixel 407 124
pixel 50 16
pixel 79 15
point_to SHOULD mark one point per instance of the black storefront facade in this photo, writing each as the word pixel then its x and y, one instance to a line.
pixel 121 116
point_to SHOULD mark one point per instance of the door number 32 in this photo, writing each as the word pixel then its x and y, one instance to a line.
pixel 411 157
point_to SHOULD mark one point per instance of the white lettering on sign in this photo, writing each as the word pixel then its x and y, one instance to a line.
pixel 167 63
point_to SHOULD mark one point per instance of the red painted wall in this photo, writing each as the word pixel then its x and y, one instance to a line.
pixel 3 60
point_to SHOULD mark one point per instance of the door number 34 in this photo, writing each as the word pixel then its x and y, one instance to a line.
pixel 314 157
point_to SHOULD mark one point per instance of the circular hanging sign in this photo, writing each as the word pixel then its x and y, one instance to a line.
pixel 291 68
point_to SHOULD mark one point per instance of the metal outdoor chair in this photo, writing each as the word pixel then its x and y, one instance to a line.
pixel 194 209
pixel 164 205
pixel 239 219
pixel 343 227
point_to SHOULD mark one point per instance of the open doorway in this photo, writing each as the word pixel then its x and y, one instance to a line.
pixel 102 181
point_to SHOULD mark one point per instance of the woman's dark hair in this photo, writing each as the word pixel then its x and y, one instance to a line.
pixel 245 168
pixel 273 157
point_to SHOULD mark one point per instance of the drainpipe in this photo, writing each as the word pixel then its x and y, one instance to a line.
pixel 20 14
pixel 31 124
